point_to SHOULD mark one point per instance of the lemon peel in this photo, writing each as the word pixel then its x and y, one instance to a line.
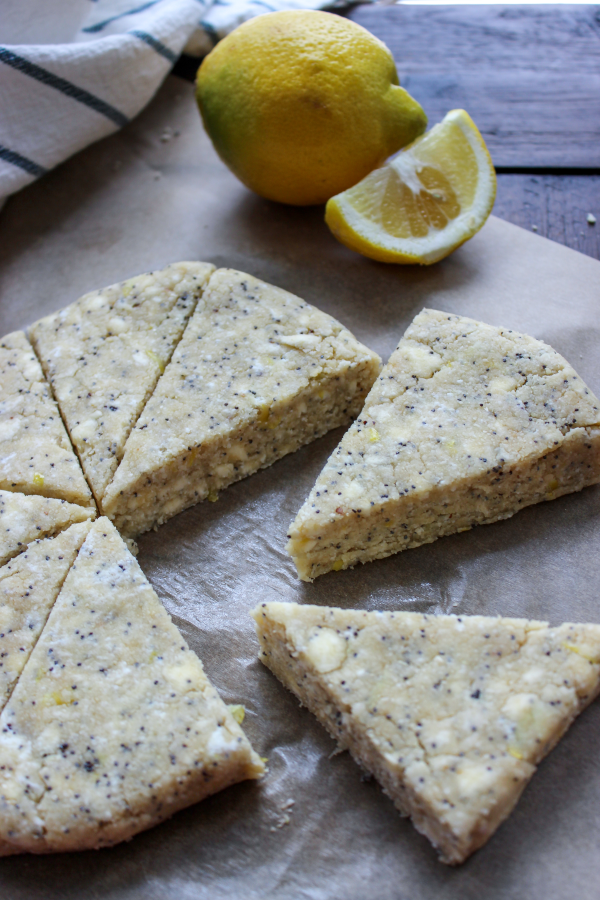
pixel 594 660
pixel 238 712
pixel 424 203
pixel 156 359
pixel 302 104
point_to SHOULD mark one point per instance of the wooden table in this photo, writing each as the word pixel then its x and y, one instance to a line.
pixel 530 78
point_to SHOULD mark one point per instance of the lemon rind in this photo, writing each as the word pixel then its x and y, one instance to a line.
pixel 357 232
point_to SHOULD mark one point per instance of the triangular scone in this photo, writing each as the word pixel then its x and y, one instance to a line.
pixel 258 373
pixel 26 518
pixel 105 352
pixel 113 725
pixel 29 585
pixel 467 424
pixel 36 456
pixel 451 714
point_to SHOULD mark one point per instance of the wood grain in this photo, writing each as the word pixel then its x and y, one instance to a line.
pixel 555 206
pixel 528 75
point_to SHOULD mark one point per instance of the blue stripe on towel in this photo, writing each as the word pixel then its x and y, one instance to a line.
pixel 22 162
pixel 211 32
pixel 62 85
pixel 156 45
pixel 92 29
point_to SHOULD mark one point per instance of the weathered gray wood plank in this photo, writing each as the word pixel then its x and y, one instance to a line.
pixel 439 38
pixel 555 206
pixel 528 75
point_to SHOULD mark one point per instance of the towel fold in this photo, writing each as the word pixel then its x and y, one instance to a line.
pixel 74 71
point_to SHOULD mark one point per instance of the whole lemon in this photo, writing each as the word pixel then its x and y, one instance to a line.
pixel 301 105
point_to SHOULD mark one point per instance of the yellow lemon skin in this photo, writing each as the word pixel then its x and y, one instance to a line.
pixel 303 104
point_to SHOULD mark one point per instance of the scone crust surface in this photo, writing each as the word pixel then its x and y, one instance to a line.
pixel 113 725
pixel 104 354
pixel 36 456
pixel 452 714
pixel 467 424
pixel 258 373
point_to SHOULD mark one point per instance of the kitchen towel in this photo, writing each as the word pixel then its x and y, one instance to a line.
pixel 73 71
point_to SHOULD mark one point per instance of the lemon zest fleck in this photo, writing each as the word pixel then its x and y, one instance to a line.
pixel 213 496
pixel 238 712
pixel 127 287
pixel 156 359
pixel 373 435
pixel 38 479
pixel 594 660
pixel 59 701
pixel 338 564
pixel 263 412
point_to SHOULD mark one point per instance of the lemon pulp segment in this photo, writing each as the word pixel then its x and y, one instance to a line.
pixel 424 203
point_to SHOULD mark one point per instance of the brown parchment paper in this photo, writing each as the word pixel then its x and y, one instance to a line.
pixel 146 197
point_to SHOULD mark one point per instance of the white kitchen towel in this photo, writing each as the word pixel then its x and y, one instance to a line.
pixel 73 71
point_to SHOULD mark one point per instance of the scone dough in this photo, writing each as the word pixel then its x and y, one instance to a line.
pixel 452 714
pixel 113 725
pixel 258 373
pixel 26 518
pixel 36 456
pixel 466 424
pixel 104 354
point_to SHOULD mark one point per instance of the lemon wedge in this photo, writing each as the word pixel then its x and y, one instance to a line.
pixel 425 202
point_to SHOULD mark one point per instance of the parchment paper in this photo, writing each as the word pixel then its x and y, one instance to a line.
pixel 135 202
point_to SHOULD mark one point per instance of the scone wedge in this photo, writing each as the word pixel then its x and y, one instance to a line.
pixel 258 373
pixel 25 518
pixel 29 586
pixel 113 725
pixel 467 424
pixel 104 354
pixel 451 714
pixel 36 456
